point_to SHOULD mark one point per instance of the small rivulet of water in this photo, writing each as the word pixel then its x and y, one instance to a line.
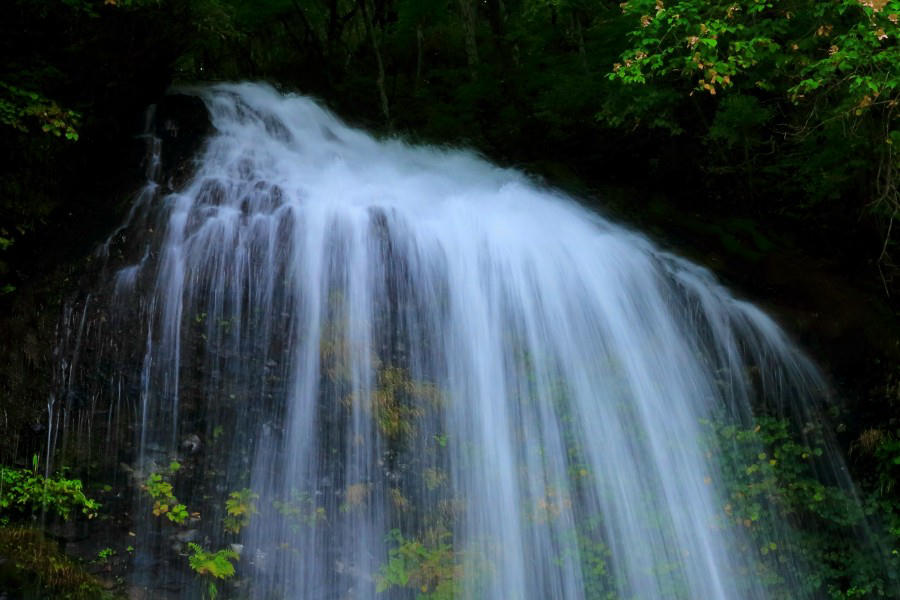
pixel 375 370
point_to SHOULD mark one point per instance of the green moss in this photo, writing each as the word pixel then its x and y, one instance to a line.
pixel 431 570
pixel 36 569
pixel 399 401
pixel 300 510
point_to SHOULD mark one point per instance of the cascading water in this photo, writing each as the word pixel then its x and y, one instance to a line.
pixel 428 375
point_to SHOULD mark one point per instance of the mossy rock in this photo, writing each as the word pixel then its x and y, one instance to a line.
pixel 33 568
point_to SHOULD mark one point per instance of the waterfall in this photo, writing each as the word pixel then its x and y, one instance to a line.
pixel 428 375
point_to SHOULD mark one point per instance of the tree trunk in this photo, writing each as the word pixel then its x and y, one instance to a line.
pixel 420 55
pixel 579 36
pixel 379 80
pixel 497 17
pixel 468 12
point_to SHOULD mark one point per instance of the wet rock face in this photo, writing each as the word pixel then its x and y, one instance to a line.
pixel 181 123
pixel 66 258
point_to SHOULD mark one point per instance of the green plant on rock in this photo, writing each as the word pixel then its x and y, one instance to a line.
pixel 215 564
pixel 105 554
pixel 240 506
pixel 164 500
pixel 585 546
pixel 299 510
pixel 212 565
pixel 399 401
pixel 770 472
pixel 23 490
pixel 432 572
pixel 882 447
pixel 434 478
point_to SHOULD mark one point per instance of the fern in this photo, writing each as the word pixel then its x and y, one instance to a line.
pixel 215 564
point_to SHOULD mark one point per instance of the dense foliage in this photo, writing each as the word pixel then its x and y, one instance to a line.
pixel 806 93
pixel 774 469
pixel 25 491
